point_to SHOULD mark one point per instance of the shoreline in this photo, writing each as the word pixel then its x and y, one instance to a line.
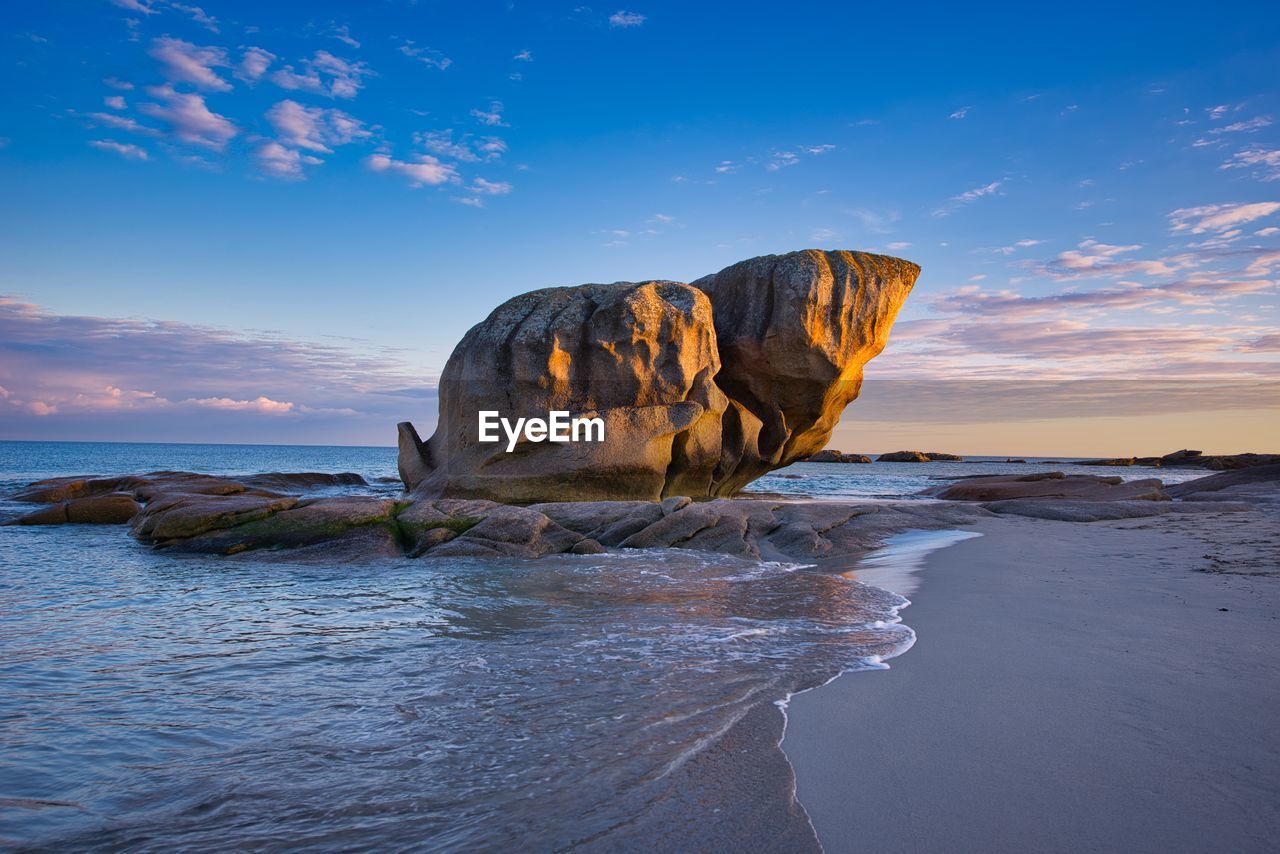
pixel 1065 692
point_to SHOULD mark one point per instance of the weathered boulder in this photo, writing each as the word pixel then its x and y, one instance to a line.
pixel 903 457
pixel 641 357
pixel 1051 485
pixel 702 388
pixel 794 333
pixel 938 456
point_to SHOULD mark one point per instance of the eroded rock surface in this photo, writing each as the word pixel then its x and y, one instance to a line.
pixel 702 387
pixel 204 514
pixel 1051 485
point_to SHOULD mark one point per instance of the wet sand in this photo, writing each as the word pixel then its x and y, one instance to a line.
pixel 1104 687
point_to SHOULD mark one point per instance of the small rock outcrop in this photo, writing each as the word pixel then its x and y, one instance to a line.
pixel 903 457
pixel 702 387
pixel 830 456
pixel 1191 459
pixel 1051 485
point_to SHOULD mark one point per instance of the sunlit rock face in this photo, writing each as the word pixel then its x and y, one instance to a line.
pixel 794 332
pixel 702 387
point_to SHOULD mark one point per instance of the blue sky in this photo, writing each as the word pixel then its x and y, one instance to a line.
pixel 271 222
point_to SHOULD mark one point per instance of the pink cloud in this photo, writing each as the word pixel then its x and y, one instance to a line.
pixel 185 62
pixel 189 117
pixel 423 170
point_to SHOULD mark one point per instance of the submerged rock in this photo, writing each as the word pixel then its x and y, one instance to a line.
pixel 701 387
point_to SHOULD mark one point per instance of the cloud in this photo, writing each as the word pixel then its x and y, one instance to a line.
pixel 115 83
pixel 1265 161
pixel 1020 244
pixel 489 188
pixel 465 149
pixel 1221 217
pixel 960 113
pixel 135 6
pixel 189 118
pixel 324 74
pixel 254 63
pixel 1257 123
pixel 116 102
pixel 426 55
pixel 343 34
pixel 184 62
pixel 967 197
pixel 492 116
pixel 119 123
pixel 898 245
pixel 626 19
pixel 1197 288
pixel 133 379
pixel 524 56
pixel 259 404
pixel 281 162
pixel 1092 258
pixel 196 14
pixel 781 159
pixel 423 170
pixel 314 128
pixel 125 150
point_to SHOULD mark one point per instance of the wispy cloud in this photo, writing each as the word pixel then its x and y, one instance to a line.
pixel 324 74
pixel 125 150
pixel 1219 218
pixel 465 148
pixel 489 188
pixel 960 113
pixel 426 55
pixel 626 19
pixel 967 197
pixel 1264 161
pixel 342 33
pixel 491 116
pixel 1094 259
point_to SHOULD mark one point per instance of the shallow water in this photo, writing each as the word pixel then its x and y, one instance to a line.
pixel 155 701
pixel 160 702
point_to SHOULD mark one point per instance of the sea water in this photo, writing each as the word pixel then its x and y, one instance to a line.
pixel 154 701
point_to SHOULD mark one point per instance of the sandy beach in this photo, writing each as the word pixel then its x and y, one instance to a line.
pixel 1100 687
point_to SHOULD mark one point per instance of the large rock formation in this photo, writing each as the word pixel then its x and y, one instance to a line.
pixel 702 387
